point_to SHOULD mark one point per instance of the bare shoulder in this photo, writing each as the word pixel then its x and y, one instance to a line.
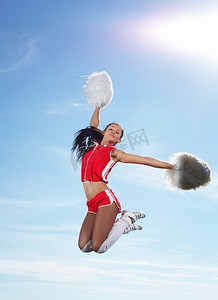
pixel 116 154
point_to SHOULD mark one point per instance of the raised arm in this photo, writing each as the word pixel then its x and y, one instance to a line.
pixel 95 120
pixel 120 156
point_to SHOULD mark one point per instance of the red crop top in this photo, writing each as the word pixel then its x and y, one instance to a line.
pixel 97 163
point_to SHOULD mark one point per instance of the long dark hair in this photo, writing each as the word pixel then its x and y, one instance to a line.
pixel 86 138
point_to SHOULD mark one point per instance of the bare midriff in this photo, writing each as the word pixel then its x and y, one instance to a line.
pixel 92 188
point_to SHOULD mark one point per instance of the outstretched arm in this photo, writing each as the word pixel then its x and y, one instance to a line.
pixel 95 120
pixel 120 156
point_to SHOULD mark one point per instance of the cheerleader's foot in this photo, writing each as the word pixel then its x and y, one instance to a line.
pixel 133 215
pixel 134 226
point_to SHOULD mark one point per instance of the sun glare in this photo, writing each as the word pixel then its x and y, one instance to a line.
pixel 188 33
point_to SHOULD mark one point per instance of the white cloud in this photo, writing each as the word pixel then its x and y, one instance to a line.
pixel 50 271
pixel 92 271
pixel 37 228
pixel 27 59
pixel 64 108
pixel 38 204
pixel 143 263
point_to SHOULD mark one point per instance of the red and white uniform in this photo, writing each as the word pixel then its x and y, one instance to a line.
pixel 97 163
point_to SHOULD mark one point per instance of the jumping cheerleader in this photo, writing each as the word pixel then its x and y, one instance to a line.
pixel 96 148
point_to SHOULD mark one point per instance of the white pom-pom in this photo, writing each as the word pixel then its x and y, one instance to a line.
pixel 189 173
pixel 99 89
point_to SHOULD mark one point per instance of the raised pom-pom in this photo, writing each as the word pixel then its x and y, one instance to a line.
pixel 99 89
pixel 189 173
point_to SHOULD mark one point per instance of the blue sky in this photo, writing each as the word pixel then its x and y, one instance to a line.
pixel 162 58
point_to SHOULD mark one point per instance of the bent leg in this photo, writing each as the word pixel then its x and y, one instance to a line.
pixel 86 231
pixel 117 230
pixel 104 221
pixel 106 231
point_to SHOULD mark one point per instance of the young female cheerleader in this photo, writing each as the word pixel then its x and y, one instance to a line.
pixel 96 149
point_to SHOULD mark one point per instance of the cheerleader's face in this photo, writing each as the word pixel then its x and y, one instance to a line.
pixel 112 134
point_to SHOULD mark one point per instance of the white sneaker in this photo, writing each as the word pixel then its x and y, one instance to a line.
pixel 134 226
pixel 135 215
